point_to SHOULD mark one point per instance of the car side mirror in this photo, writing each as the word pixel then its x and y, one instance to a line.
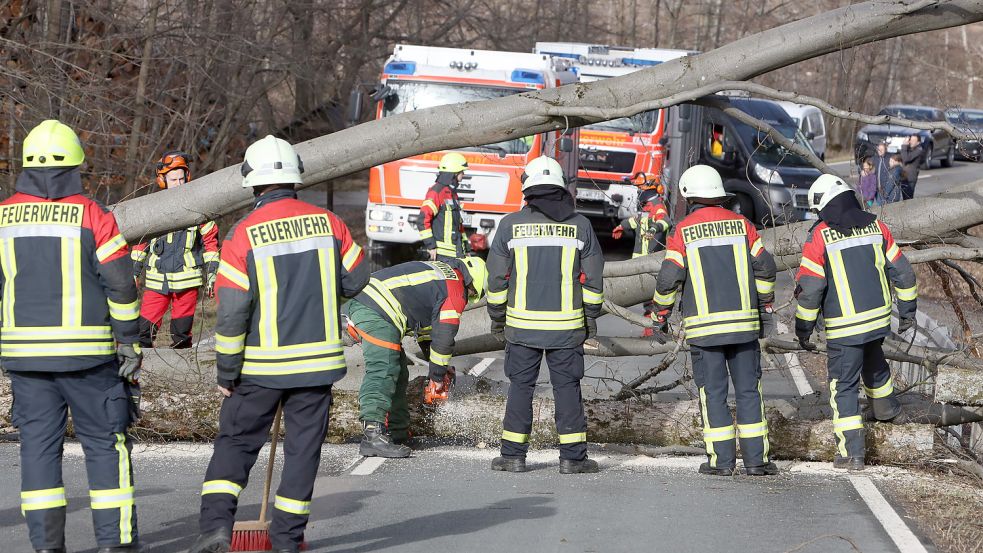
pixel 810 135
pixel 566 144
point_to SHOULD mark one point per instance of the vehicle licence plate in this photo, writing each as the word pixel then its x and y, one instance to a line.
pixel 590 194
pixel 466 219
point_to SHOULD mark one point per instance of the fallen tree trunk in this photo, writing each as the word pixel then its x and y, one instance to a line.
pixel 960 386
pixel 452 126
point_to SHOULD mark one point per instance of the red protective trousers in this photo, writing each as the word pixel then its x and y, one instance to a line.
pixel 152 311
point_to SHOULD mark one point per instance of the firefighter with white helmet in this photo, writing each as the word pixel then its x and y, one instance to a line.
pixel 849 265
pixel 728 281
pixel 68 341
pixel 441 223
pixel 544 294
pixel 283 272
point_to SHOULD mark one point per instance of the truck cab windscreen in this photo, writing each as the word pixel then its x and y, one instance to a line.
pixel 644 122
pixel 766 151
pixel 407 96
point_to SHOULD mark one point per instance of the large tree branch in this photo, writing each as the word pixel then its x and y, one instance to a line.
pixel 491 121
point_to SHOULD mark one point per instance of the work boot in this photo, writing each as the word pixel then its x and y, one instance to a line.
pixel 852 464
pixel 509 464
pixel 767 469
pixel 54 550
pixel 705 468
pixel 216 541
pixel 120 549
pixel 377 443
pixel 585 466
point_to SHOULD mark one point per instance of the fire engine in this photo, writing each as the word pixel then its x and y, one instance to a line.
pixel 619 155
pixel 418 77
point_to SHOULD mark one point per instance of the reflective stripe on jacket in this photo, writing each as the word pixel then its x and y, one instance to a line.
pixel 67 289
pixel 849 278
pixel 716 256
pixel 441 225
pixel 283 270
pixel 174 262
pixel 544 278
pixel 424 297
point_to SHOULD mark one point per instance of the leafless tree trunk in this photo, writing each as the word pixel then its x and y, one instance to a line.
pixel 136 134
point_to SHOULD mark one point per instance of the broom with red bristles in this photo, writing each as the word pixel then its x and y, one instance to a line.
pixel 254 535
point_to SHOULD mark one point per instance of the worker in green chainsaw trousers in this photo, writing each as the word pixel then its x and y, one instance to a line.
pixel 422 297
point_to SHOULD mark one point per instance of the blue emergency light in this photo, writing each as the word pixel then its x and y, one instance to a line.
pixel 400 68
pixel 528 76
pixel 639 61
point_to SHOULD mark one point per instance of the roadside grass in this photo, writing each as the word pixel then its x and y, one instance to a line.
pixel 944 506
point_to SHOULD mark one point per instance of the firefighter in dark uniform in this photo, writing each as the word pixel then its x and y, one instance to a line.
pixel 728 283
pixel 849 263
pixel 174 266
pixel 544 294
pixel 423 297
pixel 283 271
pixel 68 299
pixel 649 228
pixel 441 224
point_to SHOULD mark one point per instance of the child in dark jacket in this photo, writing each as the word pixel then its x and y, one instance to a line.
pixel 891 189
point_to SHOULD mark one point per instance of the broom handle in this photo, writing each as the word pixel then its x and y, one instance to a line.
pixel 269 466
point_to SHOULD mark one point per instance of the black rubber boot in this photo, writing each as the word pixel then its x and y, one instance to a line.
pixel 584 466
pixel 377 443
pixel 705 468
pixel 852 464
pixel 509 464
pixel 56 550
pixel 216 541
pixel 767 469
pixel 120 549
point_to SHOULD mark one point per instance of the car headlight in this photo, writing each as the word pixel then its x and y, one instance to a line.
pixel 380 215
pixel 863 136
pixel 767 174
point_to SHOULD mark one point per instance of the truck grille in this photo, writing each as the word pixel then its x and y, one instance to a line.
pixel 606 160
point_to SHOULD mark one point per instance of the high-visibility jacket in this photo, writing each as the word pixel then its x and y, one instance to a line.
pixel 544 279
pixel 441 225
pixel 423 297
pixel 649 230
pixel 849 279
pixel 174 262
pixel 726 275
pixel 67 286
pixel 282 270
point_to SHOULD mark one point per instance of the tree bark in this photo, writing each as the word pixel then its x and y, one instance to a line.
pixel 422 131
pixel 141 101
pixel 960 386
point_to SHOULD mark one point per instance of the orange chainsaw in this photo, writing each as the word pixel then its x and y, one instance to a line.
pixel 438 392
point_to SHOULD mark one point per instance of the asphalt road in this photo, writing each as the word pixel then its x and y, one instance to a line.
pixel 935 180
pixel 447 499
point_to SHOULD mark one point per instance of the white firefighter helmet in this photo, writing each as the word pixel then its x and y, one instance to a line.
pixel 271 160
pixel 702 181
pixel 825 189
pixel 542 170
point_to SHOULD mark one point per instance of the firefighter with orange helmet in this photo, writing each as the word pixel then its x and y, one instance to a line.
pixel 68 342
pixel 175 265
pixel 441 223
pixel 284 270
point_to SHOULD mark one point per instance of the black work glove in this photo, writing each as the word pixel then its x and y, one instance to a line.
pixel 498 331
pixel 767 321
pixel 591 327
pixel 905 324
pixel 660 321
pixel 804 341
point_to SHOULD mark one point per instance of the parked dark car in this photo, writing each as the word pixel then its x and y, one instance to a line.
pixel 937 145
pixel 971 122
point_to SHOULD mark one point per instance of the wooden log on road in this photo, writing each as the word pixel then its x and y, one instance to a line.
pixel 959 386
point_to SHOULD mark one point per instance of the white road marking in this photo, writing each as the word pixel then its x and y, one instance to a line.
pixel 795 368
pixel 481 366
pixel 899 532
pixel 368 466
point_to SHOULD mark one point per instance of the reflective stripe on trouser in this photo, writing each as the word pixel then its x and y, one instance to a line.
pixel 566 370
pixel 244 427
pixel 846 366
pixel 100 405
pixel 711 366
pixel 383 390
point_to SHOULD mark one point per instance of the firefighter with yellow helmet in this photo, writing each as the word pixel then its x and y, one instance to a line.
pixel 545 292
pixel 441 223
pixel 850 263
pixel 283 272
pixel 426 298
pixel 68 341
pixel 728 281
